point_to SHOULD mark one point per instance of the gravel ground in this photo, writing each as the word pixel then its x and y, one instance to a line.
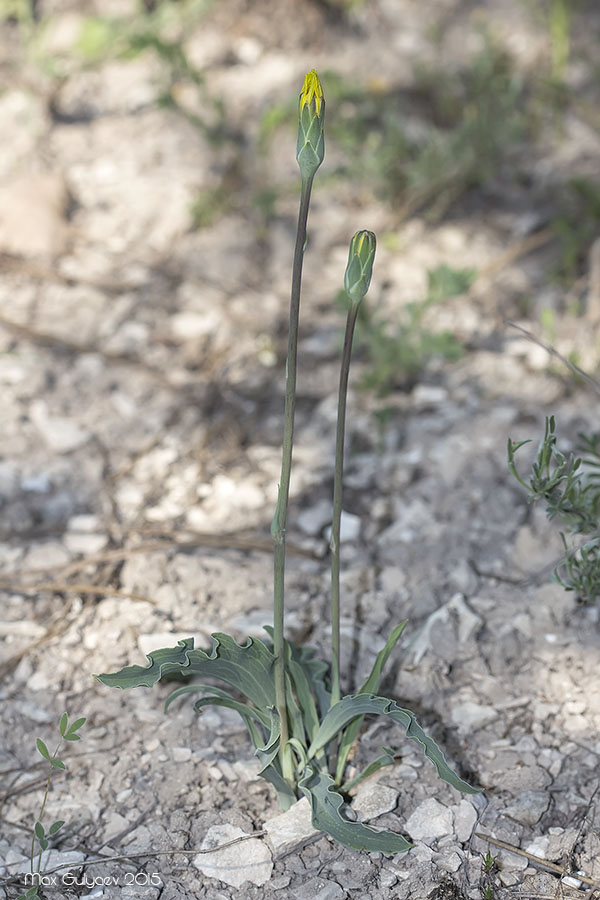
pixel 141 370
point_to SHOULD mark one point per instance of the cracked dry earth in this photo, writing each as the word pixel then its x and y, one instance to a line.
pixel 141 370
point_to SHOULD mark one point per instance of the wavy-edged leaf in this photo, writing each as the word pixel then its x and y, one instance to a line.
pixel 247 667
pixel 326 803
pixel 348 708
pixel 370 686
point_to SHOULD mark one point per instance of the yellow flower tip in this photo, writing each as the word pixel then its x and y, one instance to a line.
pixel 311 90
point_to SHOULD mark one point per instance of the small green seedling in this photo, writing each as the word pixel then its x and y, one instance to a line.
pixel 570 488
pixel 40 836
pixel 302 728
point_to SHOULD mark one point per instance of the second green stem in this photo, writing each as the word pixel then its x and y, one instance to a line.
pixel 337 503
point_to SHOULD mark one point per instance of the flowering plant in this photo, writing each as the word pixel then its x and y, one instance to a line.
pixel 301 727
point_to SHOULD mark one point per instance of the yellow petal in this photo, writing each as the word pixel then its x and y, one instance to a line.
pixel 311 90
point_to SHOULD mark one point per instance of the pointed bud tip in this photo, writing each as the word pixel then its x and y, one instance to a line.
pixel 311 90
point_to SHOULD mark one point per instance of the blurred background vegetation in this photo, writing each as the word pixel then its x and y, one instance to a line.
pixel 458 138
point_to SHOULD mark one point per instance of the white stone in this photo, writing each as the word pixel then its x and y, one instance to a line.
pixel 465 818
pixel 37 484
pixel 349 528
pixel 313 520
pixel 33 215
pixel 53 858
pixel 46 556
pixel 468 716
pixel 60 434
pixel 84 543
pixel 529 807
pixel 252 624
pixel 291 829
pixel 450 862
pixel 373 800
pixel 86 522
pixel 248 860
pixel 430 820
pixel 247 769
pixel 428 396
pixel 181 754
pixel 21 627
pixel 320 889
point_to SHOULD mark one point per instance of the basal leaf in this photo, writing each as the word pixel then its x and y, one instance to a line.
pixel 317 672
pixel 269 751
pixel 309 719
pixel 370 686
pixel 246 667
pixel 326 803
pixel 351 706
pixel 285 794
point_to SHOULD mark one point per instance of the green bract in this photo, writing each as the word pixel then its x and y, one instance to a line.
pixel 360 265
pixel 301 727
pixel 310 149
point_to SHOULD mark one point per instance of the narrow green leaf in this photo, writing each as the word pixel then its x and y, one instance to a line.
pixel 56 826
pixel 64 721
pixel 285 794
pixel 246 667
pixel 350 707
pixel 326 803
pixel 302 690
pixel 386 759
pixel 370 686
pixel 57 763
pixel 42 748
pixel 43 843
pixel 39 831
pixel 300 750
pixel 269 751
pixel 317 672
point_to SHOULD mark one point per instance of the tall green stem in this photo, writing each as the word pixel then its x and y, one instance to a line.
pixel 337 503
pixel 278 525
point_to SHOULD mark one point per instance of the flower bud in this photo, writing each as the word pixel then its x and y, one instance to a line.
pixel 311 115
pixel 360 265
